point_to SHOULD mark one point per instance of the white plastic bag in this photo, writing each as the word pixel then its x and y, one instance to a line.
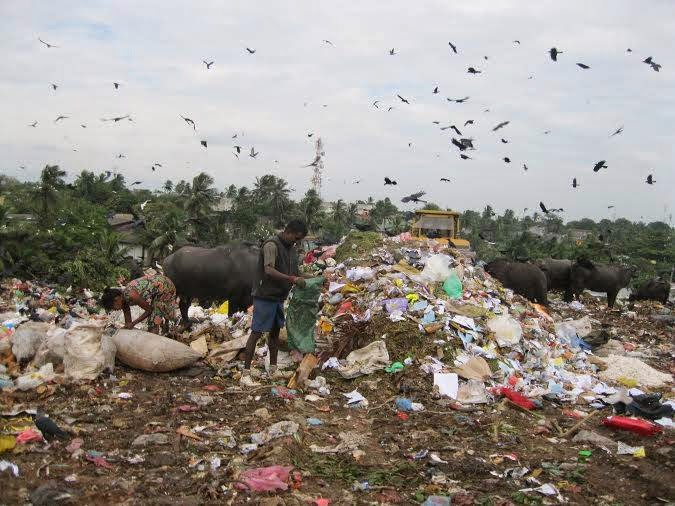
pixel 52 348
pixel 33 380
pixel 28 338
pixel 507 330
pixel 84 354
pixel 150 352
pixel 437 269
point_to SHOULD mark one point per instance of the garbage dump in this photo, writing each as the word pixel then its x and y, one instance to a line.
pixel 409 375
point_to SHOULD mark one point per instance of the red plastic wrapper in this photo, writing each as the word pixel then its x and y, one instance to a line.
pixel 515 397
pixel 636 425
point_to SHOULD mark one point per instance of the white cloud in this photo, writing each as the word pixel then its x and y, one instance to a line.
pixel 155 50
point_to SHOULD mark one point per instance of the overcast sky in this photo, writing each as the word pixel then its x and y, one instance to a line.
pixel 274 98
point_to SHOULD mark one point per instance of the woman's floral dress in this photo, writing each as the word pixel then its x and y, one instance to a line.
pixel 158 291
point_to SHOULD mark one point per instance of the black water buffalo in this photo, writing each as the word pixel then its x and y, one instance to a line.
pixel 213 275
pixel 654 289
pixel 599 278
pixel 524 279
pixel 557 273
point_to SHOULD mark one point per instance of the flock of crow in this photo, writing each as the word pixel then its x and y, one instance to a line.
pixel 462 143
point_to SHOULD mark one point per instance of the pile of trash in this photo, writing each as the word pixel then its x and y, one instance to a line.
pixel 410 366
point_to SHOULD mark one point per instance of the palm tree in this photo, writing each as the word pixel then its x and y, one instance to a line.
pixel 231 192
pixel 310 207
pixel 165 233
pixel 51 181
pixel 273 194
pixel 339 212
pixel 202 197
pixel 108 243
pixel 168 186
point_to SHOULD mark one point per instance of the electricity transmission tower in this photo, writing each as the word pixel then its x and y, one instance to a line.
pixel 318 166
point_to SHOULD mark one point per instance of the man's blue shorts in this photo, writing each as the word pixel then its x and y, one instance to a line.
pixel 267 314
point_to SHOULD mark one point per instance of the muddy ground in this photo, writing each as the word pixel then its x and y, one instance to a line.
pixel 474 444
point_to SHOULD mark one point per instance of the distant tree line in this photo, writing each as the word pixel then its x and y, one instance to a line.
pixel 69 241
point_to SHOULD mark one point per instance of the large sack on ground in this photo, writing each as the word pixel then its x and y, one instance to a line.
pixel 52 348
pixel 87 352
pixel 150 352
pixel 28 338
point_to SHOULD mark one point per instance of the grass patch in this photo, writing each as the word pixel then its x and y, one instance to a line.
pixel 344 469
pixel 357 244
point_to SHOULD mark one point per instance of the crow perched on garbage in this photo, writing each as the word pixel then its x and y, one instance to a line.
pixel 48 428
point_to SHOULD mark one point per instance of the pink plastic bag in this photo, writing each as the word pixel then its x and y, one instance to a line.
pixel 28 436
pixel 266 479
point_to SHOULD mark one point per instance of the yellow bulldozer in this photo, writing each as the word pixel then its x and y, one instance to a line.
pixel 440 225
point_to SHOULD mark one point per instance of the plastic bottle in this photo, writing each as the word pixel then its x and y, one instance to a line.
pixel 642 427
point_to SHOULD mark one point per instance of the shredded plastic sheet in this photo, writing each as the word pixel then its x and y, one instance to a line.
pixel 302 312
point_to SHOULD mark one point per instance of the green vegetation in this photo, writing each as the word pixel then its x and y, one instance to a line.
pixel 58 231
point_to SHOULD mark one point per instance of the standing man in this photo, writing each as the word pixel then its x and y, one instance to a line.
pixel 277 274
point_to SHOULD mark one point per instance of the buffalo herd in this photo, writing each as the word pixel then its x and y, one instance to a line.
pixel 534 280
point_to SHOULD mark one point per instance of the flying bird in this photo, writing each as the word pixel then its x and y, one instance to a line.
pixel 328 42
pixel 155 165
pixel 135 183
pixel 629 50
pixel 47 43
pixel 121 156
pixel 33 124
pixel 445 179
pixel 656 67
pixel 650 179
pixel 144 204
pixel 253 153
pixel 468 122
pixel 251 51
pixel 458 100
pixel 554 53
pixel 546 132
pixel 500 125
pixel 507 159
pixel 505 141
pixel 543 208
pixel 189 122
pixel 116 85
pixel 465 157
pixel 310 134
pixel 375 104
pixel 388 181
pixel 48 428
pixel 648 60
pixel 574 183
pixel 456 129
pixel 525 167
pixel 459 144
pixel 208 64
pixel 435 90
pixel 316 161
pixel 60 118
pixel 392 52
pixel 83 125
pixel 238 149
pixel 516 42
pixel 472 70
pixel 116 119
pixel 405 101
pixel 583 66
pixel 617 131
pixel 415 197
pixel 610 207
pixel 599 165
pixel 203 143
pixel 389 109
pixel 453 47
pixel 467 143
pixel 54 86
